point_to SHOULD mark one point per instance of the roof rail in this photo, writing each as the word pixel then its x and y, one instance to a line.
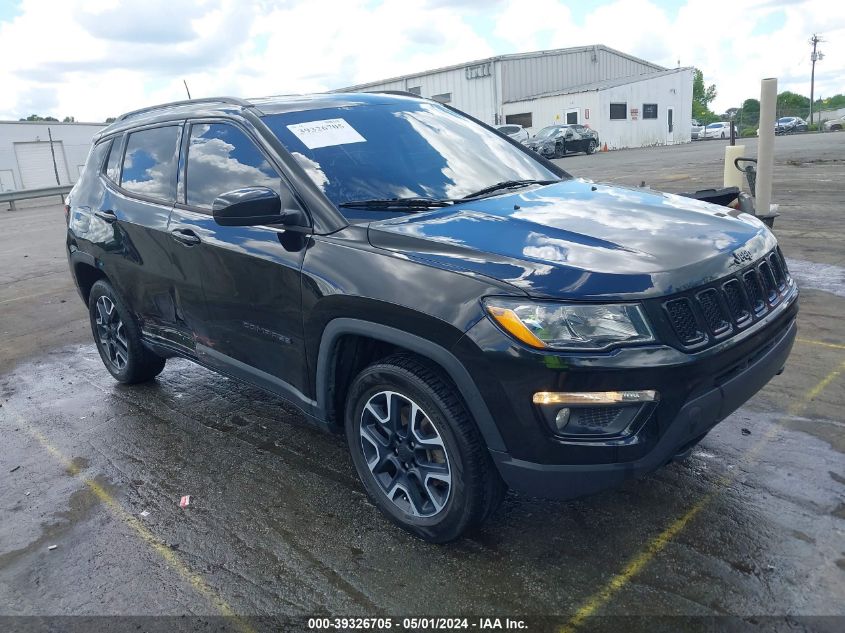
pixel 401 93
pixel 231 100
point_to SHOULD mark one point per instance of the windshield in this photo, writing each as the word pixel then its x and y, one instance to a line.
pixel 547 132
pixel 785 119
pixel 399 149
pixel 715 125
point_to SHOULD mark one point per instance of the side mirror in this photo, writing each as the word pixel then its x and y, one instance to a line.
pixel 252 206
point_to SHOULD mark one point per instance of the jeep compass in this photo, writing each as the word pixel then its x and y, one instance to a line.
pixel 466 313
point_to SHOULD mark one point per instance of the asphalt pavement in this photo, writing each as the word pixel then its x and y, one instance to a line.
pixel 751 526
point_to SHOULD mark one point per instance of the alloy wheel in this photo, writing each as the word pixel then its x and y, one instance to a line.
pixel 111 333
pixel 405 454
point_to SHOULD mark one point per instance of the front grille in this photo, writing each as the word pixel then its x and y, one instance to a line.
pixel 714 315
pixel 719 310
pixel 752 287
pixel 777 270
pixel 769 285
pixel 683 320
pixel 737 303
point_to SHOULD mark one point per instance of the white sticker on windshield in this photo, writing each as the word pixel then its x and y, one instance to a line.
pixel 326 133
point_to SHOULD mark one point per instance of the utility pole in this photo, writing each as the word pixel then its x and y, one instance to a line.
pixel 816 56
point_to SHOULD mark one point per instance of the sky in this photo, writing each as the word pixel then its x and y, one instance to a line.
pixel 92 59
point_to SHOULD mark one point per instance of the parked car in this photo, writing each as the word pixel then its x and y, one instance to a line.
pixel 835 125
pixel 516 132
pixel 720 129
pixel 790 124
pixel 473 319
pixel 555 141
pixel 696 129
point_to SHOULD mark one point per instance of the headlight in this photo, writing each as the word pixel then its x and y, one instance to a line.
pixel 548 325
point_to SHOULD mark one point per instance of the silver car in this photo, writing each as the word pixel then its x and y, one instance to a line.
pixel 516 132
pixel 835 125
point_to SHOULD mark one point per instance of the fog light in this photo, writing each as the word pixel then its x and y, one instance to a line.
pixel 594 397
pixel 562 419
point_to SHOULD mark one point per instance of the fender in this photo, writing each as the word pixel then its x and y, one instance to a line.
pixel 440 355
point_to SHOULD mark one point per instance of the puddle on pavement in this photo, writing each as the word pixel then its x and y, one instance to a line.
pixel 825 277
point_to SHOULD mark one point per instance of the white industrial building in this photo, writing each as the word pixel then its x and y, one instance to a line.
pixel 37 154
pixel 630 102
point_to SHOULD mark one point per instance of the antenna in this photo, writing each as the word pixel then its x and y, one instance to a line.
pixel 186 88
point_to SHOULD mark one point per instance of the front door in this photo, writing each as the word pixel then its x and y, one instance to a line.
pixel 250 275
pixel 670 133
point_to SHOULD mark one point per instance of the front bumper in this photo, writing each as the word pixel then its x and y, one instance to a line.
pixel 692 422
pixel 697 390
pixel 547 151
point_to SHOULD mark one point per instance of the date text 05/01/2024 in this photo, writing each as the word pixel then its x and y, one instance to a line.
pixel 417 624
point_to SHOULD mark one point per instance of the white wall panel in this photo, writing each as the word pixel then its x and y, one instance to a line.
pixel 71 144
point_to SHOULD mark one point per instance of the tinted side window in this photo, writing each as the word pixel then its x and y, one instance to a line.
pixel 149 165
pixel 95 158
pixel 115 158
pixel 222 158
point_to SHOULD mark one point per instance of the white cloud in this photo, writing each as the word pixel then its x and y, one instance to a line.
pixel 96 58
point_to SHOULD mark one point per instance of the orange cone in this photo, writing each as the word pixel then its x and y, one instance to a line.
pixel 604 149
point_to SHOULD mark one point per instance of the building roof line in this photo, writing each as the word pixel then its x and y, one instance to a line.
pixel 602 85
pixel 497 58
pixel 52 123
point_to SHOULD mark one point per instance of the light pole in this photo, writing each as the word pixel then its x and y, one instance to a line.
pixel 816 56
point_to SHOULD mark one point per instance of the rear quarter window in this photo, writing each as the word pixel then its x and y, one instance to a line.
pixel 115 158
pixel 149 163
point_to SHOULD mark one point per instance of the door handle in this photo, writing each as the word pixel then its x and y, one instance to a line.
pixel 106 214
pixel 186 236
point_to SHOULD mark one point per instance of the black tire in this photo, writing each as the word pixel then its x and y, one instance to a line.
pixel 722 135
pixel 475 488
pixel 591 147
pixel 118 337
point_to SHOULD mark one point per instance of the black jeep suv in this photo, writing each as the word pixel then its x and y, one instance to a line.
pixel 472 317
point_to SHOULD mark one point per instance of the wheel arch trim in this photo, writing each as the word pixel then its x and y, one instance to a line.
pixel 444 358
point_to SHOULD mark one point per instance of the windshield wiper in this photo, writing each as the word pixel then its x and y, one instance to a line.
pixel 398 203
pixel 508 184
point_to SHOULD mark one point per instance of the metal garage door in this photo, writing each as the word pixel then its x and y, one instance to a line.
pixel 35 162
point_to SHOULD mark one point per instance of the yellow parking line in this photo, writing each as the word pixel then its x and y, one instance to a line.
pixel 194 580
pixel 809 341
pixel 644 557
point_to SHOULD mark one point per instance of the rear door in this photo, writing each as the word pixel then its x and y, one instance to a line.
pixel 250 275
pixel 140 193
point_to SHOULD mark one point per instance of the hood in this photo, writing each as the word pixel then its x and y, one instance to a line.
pixel 579 240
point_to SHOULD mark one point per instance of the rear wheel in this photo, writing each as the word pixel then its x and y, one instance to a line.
pixel 417 451
pixel 118 337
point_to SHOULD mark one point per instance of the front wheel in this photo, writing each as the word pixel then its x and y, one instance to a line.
pixel 591 147
pixel 418 452
pixel 118 337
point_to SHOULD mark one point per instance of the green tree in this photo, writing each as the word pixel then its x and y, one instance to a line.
pixel 792 104
pixel 111 119
pixel 749 114
pixel 701 98
pixel 69 119
pixel 36 117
